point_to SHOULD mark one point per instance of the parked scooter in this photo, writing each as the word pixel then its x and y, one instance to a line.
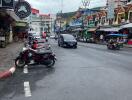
pixel 38 56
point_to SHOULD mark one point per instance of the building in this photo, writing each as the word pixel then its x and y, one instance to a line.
pixel 40 22
pixel 62 20
pixel 46 23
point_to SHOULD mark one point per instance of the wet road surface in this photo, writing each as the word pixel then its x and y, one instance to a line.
pixel 90 72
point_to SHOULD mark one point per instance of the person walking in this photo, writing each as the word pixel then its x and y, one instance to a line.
pixel 101 38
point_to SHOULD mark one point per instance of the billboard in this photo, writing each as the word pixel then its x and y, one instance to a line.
pixel 76 22
pixel 110 12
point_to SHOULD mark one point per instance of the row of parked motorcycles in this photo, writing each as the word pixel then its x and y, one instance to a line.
pixel 41 55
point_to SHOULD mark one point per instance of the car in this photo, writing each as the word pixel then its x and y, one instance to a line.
pixel 67 40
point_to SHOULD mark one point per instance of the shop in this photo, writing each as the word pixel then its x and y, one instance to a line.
pixel 105 31
pixel 127 29
pixel 20 30
pixel 7 20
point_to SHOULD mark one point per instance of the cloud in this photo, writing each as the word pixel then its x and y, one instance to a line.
pixel 54 6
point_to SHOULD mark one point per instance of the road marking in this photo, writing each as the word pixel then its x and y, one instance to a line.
pixel 27 89
pixel 113 54
pixel 25 70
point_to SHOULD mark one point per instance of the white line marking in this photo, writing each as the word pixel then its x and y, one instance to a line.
pixel 27 89
pixel 25 70
pixel 114 54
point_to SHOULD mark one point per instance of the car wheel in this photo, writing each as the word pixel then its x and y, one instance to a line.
pixel 75 47
pixel 58 44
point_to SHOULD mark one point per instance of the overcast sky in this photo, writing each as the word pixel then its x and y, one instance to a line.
pixel 54 6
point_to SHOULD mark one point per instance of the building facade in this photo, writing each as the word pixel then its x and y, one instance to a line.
pixel 40 22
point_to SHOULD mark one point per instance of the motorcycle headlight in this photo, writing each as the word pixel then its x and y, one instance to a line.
pixel 24 48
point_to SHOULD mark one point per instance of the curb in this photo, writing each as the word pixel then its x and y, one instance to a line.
pixel 7 73
pixel 127 46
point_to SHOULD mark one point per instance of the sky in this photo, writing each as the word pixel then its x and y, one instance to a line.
pixel 54 6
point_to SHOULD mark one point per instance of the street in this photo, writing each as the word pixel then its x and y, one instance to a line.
pixel 90 72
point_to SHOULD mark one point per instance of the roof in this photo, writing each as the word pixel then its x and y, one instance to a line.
pixel 112 29
pixel 13 15
pixel 35 11
pixel 66 15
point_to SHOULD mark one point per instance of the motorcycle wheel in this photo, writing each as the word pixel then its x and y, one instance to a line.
pixel 52 62
pixel 19 63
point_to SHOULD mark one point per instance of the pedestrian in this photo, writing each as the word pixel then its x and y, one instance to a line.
pixel 101 38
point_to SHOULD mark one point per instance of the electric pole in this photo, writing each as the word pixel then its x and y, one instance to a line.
pixel 85 3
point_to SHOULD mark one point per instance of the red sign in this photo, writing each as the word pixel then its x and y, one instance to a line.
pixel 35 11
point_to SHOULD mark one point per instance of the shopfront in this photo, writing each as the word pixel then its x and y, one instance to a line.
pixel 127 29
pixel 20 30
pixel 7 21
pixel 129 10
pixel 120 15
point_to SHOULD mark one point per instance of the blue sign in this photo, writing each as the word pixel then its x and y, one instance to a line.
pixel 77 22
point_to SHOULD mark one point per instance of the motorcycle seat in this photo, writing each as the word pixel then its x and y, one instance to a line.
pixel 43 52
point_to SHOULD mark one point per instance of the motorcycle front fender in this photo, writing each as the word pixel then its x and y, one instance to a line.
pixel 53 57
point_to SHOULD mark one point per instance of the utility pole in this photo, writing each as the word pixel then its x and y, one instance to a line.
pixel 85 3
pixel 61 14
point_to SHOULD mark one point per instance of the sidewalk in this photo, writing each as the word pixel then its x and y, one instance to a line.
pixel 98 45
pixel 128 46
pixel 84 44
pixel 7 56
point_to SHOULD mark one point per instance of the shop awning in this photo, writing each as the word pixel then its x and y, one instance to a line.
pixel 114 29
pixel 13 15
pixel 127 26
pixel 77 29
pixel 92 29
pixel 21 24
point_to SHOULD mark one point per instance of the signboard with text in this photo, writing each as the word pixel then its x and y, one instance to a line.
pixel 77 22
pixel 7 3
pixel 22 9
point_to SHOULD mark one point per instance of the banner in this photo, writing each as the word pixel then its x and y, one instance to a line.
pixel 111 7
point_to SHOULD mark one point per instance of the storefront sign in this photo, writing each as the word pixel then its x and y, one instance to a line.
pixel 22 9
pixel 7 3
pixel 76 23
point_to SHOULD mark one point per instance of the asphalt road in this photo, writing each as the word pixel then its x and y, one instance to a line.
pixel 90 72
